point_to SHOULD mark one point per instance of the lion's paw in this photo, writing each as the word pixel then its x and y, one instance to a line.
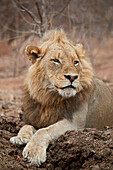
pixel 19 140
pixel 36 154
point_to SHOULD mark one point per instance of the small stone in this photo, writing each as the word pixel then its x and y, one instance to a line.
pixel 4 106
pixel 95 167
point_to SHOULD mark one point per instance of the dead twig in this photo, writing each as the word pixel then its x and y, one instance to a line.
pixel 62 9
pixel 23 8
pixel 39 12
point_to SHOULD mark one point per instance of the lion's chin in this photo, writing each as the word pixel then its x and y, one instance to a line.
pixel 68 92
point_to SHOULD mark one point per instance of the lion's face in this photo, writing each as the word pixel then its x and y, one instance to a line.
pixel 62 68
pixel 59 68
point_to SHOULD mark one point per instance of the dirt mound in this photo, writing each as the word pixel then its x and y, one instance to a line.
pixel 86 149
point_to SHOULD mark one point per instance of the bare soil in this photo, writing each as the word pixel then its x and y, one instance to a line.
pixel 86 149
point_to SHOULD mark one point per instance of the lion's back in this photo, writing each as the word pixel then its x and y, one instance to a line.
pixel 100 109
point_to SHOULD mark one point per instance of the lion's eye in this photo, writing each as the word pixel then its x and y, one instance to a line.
pixel 55 60
pixel 76 63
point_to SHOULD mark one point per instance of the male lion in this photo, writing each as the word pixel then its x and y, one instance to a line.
pixel 60 94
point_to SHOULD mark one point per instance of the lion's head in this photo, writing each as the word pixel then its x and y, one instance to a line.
pixel 59 70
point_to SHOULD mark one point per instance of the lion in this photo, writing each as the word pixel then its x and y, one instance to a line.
pixel 60 93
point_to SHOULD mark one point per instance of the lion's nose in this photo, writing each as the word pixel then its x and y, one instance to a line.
pixel 71 78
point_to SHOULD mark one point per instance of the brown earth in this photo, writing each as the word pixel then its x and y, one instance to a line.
pixel 76 150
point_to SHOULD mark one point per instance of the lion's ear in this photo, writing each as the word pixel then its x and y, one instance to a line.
pixel 80 50
pixel 32 52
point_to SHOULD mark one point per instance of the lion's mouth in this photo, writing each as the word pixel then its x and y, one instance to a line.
pixel 70 86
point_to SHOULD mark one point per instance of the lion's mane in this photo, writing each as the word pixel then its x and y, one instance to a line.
pixel 44 106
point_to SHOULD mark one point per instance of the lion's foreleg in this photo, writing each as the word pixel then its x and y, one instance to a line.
pixel 35 150
pixel 24 136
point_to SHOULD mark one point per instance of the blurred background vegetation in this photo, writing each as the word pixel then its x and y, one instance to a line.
pixel 23 22
pixel 26 17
